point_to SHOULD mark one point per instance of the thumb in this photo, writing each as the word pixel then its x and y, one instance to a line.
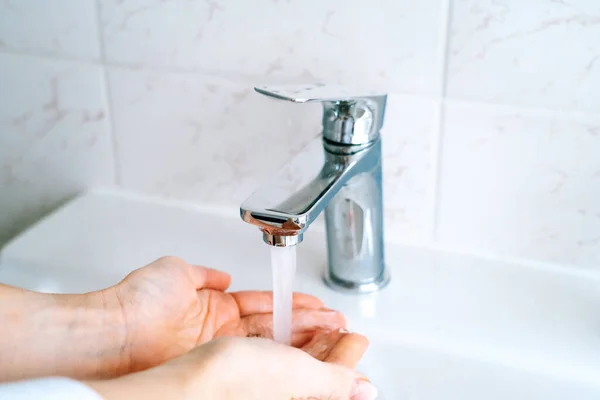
pixel 208 278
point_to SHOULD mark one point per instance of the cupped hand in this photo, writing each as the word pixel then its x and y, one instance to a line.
pixel 251 369
pixel 170 307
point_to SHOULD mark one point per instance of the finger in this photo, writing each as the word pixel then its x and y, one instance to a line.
pixel 321 344
pixel 300 339
pixel 319 380
pixel 256 302
pixel 303 320
pixel 208 278
pixel 231 329
pixel 348 351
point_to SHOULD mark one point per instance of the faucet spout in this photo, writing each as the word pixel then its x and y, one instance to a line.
pixel 284 210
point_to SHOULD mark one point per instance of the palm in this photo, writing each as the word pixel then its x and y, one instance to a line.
pixel 171 307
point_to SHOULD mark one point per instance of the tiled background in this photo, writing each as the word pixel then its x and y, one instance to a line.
pixel 492 136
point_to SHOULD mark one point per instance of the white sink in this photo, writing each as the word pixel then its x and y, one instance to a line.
pixel 410 372
pixel 447 326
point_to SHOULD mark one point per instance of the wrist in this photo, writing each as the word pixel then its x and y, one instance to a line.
pixel 77 336
pixel 90 333
pixel 104 325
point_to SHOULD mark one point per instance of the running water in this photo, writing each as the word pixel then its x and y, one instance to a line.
pixel 283 265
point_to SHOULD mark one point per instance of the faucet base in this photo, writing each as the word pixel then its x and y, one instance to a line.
pixel 351 287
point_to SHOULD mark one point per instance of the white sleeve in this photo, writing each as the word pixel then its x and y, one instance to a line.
pixel 47 389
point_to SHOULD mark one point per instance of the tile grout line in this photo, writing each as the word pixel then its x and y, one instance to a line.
pixel 50 57
pixel 549 111
pixel 565 113
pixel 108 95
pixel 445 54
pixel 437 157
pixel 438 140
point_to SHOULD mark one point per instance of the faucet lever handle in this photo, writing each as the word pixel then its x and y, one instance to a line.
pixel 349 117
pixel 317 93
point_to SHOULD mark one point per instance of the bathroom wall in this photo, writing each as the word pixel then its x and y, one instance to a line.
pixel 492 134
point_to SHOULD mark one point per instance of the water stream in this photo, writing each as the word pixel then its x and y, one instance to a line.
pixel 283 265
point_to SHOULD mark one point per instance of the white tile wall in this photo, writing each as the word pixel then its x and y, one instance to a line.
pixel 521 183
pixel 54 137
pixel 202 138
pixel 59 27
pixel 530 53
pixel 408 146
pixel 391 44
pixel 492 134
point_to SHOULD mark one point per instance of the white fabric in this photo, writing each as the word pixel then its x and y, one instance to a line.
pixel 47 389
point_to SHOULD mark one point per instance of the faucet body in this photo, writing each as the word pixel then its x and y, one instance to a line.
pixel 354 224
pixel 340 175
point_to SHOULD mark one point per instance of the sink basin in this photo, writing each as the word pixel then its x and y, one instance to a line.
pixel 448 326
pixel 409 372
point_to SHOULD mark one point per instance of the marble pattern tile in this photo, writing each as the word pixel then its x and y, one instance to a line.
pixel 58 27
pixel 408 146
pixel 542 53
pixel 54 136
pixel 394 45
pixel 199 138
pixel 521 184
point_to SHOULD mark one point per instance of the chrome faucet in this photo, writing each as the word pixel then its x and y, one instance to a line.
pixel 346 183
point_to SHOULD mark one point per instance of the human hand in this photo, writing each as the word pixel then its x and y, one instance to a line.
pixel 337 347
pixel 170 307
pixel 250 369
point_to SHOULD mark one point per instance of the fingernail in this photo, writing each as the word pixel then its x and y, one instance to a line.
pixel 363 390
pixel 342 330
